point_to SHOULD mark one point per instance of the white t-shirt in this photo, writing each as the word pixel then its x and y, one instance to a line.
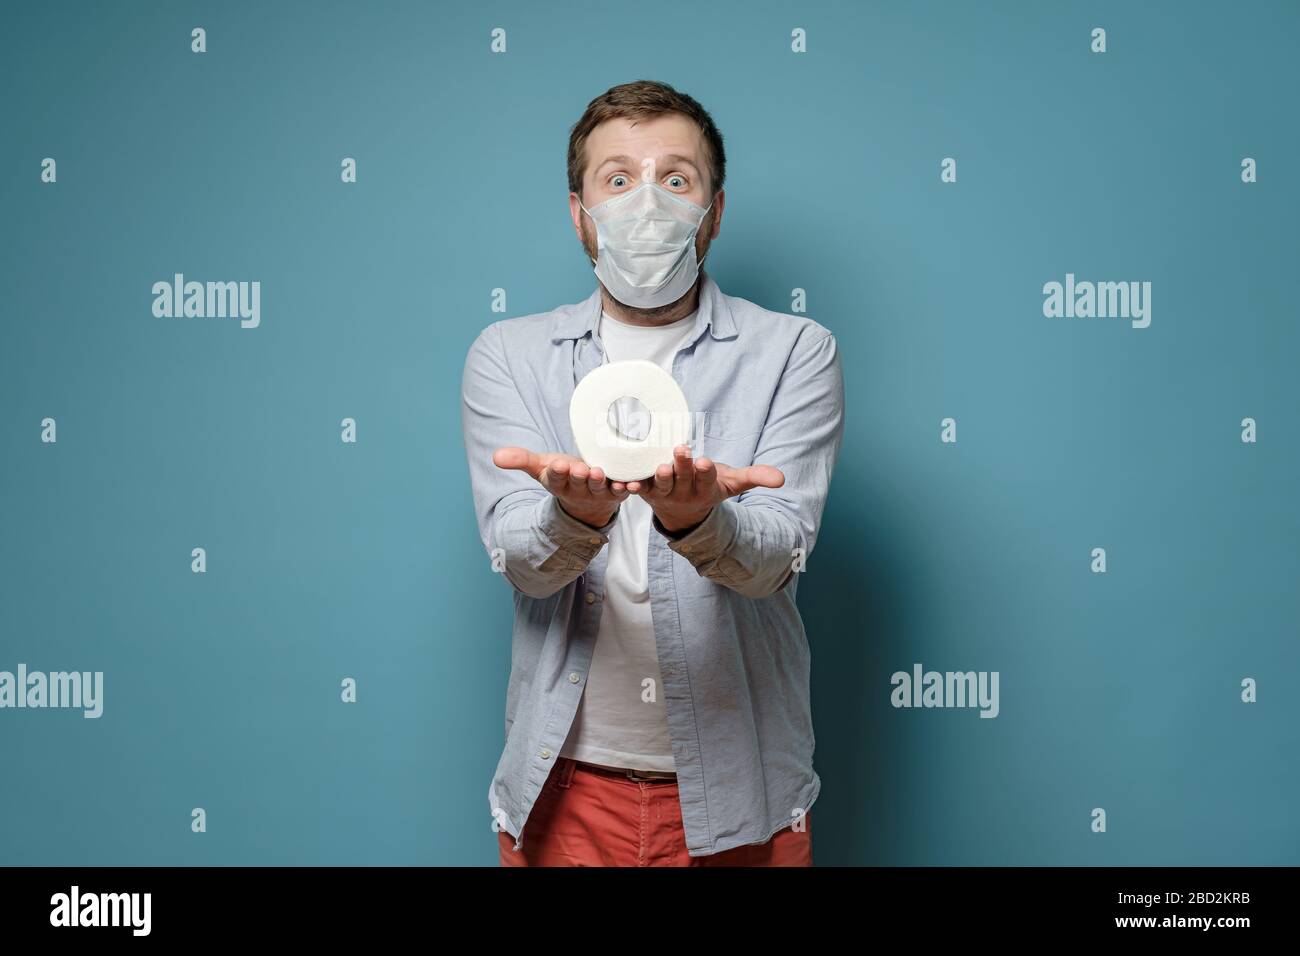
pixel 615 724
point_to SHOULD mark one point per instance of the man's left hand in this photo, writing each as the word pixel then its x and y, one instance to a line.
pixel 683 493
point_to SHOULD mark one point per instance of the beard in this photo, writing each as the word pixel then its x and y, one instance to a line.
pixel 702 243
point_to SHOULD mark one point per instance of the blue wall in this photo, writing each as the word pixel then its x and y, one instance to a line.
pixel 1118 690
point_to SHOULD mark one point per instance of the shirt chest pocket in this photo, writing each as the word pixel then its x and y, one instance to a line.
pixel 730 437
pixel 730 426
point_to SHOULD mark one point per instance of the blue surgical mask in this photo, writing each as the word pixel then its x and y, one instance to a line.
pixel 645 245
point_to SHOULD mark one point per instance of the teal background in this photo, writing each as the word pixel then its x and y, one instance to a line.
pixel 328 560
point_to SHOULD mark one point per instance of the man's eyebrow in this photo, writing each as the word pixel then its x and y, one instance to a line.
pixel 670 159
pixel 622 160
pixel 680 160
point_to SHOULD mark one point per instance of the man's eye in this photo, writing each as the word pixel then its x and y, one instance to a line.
pixel 618 181
pixel 677 182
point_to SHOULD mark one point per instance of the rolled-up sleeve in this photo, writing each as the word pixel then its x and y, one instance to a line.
pixel 750 543
pixel 538 546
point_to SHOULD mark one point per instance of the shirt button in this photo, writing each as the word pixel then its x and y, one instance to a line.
pixel 594 540
pixel 546 754
pixel 686 549
pixel 591 598
pixel 574 678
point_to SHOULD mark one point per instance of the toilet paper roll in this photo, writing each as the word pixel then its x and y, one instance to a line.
pixel 600 444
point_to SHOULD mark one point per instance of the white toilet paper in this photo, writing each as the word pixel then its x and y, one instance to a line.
pixel 600 444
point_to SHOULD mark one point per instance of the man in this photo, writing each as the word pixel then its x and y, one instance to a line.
pixel 657 711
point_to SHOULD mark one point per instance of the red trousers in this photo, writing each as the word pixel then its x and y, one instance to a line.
pixel 586 816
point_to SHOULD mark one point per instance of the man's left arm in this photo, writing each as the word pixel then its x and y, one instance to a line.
pixel 749 542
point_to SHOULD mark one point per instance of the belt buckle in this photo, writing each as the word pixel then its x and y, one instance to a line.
pixel 640 778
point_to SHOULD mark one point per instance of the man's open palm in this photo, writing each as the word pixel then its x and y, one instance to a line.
pixel 683 493
pixel 584 492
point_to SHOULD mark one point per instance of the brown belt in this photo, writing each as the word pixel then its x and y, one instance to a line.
pixel 627 772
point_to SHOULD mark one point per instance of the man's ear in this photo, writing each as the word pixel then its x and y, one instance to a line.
pixel 719 200
pixel 576 213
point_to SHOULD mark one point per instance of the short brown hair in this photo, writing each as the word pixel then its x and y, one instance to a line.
pixel 636 100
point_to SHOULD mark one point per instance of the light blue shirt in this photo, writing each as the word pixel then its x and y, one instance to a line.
pixel 765 388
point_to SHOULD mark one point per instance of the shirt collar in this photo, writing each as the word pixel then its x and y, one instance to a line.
pixel 714 314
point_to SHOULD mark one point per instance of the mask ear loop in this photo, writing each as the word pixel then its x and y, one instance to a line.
pixel 697 231
pixel 593 222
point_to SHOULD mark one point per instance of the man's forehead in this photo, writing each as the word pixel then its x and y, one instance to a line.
pixel 646 137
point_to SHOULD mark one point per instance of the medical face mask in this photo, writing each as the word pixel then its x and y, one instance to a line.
pixel 645 245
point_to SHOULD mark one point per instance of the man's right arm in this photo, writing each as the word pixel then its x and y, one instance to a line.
pixel 539 546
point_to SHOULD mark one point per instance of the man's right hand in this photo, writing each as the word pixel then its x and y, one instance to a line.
pixel 583 492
